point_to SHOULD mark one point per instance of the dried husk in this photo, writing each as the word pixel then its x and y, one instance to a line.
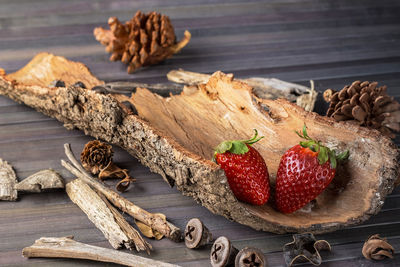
pixel 377 248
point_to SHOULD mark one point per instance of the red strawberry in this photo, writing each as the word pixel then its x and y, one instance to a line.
pixel 245 169
pixel 304 172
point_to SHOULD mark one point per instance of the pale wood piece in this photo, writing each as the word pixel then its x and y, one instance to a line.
pixel 130 232
pixel 176 140
pixel 265 88
pixel 153 220
pixel 8 179
pixel 98 213
pixel 41 181
pixel 66 247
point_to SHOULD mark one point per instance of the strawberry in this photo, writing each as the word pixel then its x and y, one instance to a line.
pixel 245 169
pixel 304 172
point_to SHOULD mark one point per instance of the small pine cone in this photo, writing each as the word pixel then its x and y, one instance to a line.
pixel 146 39
pixel 365 103
pixel 96 156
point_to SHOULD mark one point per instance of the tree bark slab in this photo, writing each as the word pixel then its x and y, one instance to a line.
pixel 175 137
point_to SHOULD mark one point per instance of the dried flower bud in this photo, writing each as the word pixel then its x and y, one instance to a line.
pixel 96 156
pixel 377 248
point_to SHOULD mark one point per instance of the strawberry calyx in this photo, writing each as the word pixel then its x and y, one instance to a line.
pixel 324 153
pixel 237 146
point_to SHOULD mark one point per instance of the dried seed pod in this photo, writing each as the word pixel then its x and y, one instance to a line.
pixel 377 248
pixel 196 234
pixel 304 247
pixel 365 103
pixel 96 156
pixel 250 257
pixel 146 39
pixel 222 252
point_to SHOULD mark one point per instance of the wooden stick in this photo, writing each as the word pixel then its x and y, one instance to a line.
pixel 130 232
pixel 66 247
pixel 154 221
pixel 129 87
pixel 98 212
pixel 265 88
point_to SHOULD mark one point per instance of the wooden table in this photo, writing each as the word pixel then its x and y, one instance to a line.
pixel 331 42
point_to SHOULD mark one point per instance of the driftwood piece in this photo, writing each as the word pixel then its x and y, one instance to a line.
pixel 98 212
pixel 264 88
pixel 8 179
pixel 176 137
pixel 130 232
pixel 66 247
pixel 41 181
pixel 153 220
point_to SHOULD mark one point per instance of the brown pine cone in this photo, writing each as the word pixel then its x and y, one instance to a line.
pixel 146 39
pixel 365 103
pixel 96 156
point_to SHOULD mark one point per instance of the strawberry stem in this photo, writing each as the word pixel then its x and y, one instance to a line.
pixel 324 153
pixel 237 146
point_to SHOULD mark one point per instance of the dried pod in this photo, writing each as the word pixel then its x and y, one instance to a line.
pixel 303 248
pixel 365 102
pixel 377 248
pixel 8 179
pixel 96 156
pixel 196 234
pixel 222 252
pixel 250 257
pixel 146 39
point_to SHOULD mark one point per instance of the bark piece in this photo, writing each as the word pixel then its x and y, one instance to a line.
pixel 8 179
pixel 98 212
pixel 66 247
pixel 265 88
pixel 175 137
pixel 41 181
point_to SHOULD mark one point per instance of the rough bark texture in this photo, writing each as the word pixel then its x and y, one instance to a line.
pixel 8 179
pixel 180 153
pixel 66 247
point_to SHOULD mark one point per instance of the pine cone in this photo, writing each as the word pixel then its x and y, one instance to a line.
pixel 144 40
pixel 96 156
pixel 365 103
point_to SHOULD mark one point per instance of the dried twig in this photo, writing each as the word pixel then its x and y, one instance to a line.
pixel 266 88
pixel 66 247
pixel 154 221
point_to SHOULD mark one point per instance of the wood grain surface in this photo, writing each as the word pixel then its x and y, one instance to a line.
pixel 331 42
